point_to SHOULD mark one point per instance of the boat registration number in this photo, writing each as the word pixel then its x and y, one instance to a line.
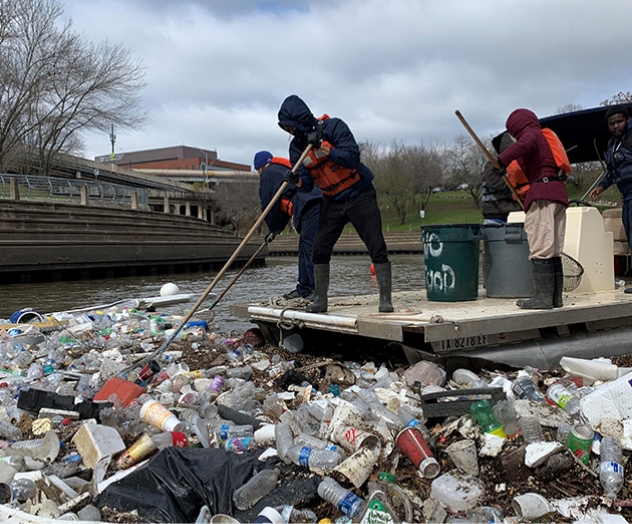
pixel 467 342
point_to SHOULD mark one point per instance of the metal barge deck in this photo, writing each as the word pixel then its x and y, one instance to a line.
pixel 589 325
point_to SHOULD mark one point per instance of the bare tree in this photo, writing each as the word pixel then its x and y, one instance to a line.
pixel 237 205
pixel 54 86
pixel 619 98
pixel 464 164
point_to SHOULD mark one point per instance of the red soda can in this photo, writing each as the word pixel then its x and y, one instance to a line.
pixel 159 378
pixel 151 368
pixel 411 442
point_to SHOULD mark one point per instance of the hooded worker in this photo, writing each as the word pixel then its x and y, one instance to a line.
pixel 334 166
pixel 302 206
pixel 545 207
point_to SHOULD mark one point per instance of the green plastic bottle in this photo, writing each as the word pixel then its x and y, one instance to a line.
pixel 482 411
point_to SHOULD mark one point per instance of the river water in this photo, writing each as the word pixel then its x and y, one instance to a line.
pixel 349 275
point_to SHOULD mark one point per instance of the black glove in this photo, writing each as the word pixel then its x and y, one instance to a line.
pixel 291 177
pixel 315 138
pixel 500 171
pixel 270 236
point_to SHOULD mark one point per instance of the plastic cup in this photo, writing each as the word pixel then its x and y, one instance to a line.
pixel 530 506
pixel 265 434
pixel 269 516
pixel 140 449
pixel 154 413
pixel 352 439
pixel 411 442
pixel 463 454
pixel 359 466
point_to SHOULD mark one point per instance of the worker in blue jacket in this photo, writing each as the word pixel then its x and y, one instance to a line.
pixel 303 206
pixel 618 157
pixel 334 166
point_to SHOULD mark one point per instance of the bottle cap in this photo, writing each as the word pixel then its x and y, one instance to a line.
pixel 387 477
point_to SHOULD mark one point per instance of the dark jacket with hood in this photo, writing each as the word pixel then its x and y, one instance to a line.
pixel 294 112
pixel 497 201
pixel 534 155
pixel 269 183
pixel 618 159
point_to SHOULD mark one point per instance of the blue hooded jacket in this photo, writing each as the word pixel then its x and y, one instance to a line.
pixel 618 159
pixel 294 112
pixel 269 183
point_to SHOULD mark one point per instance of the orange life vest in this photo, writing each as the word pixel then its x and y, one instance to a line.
pixel 519 180
pixel 331 178
pixel 286 204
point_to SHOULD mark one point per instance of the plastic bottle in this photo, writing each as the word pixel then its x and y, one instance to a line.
pixel 505 413
pixel 524 388
pixel 9 431
pixel 481 410
pixel 562 396
pixel 489 514
pixel 290 514
pixel 387 502
pixel 224 430
pixel 23 489
pixel 611 469
pixel 322 459
pixel 170 438
pixel 284 440
pixel 304 439
pixel 239 444
pixel 561 435
pixel 255 489
pixel 244 372
pixel 531 430
pixel 16 460
pixel 465 377
pixel 346 501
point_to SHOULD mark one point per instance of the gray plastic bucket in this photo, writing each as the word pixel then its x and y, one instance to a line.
pixel 506 266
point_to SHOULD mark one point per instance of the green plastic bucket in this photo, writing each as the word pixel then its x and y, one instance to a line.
pixel 451 255
pixel 506 265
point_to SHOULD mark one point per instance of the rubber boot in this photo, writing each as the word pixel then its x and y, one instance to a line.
pixel 544 280
pixel 383 275
pixel 558 273
pixel 321 288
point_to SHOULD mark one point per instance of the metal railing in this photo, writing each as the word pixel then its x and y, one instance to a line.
pixel 41 187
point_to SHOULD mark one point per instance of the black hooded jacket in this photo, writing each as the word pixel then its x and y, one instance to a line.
pixel 294 112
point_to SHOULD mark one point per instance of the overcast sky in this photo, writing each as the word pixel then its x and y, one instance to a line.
pixel 394 70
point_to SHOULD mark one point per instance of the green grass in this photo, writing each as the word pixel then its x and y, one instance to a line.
pixel 457 207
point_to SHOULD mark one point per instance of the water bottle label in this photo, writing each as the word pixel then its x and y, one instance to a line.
pixel 303 457
pixel 349 505
pixel 287 513
pixel 563 400
pixel 611 467
pixel 331 447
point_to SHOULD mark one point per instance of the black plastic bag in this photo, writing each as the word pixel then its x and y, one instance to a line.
pixel 177 482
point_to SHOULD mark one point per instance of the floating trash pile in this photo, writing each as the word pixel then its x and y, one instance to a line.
pixel 221 427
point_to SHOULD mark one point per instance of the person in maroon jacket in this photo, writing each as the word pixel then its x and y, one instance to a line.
pixel 545 207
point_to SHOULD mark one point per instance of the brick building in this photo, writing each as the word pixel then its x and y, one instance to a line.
pixel 176 157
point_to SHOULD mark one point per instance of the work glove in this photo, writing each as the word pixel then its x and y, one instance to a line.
pixel 270 236
pixel 500 171
pixel 291 177
pixel 315 139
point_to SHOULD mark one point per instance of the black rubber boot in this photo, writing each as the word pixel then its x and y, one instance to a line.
pixel 383 275
pixel 321 288
pixel 558 274
pixel 544 280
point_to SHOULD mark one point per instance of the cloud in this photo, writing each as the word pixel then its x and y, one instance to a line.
pixel 394 70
